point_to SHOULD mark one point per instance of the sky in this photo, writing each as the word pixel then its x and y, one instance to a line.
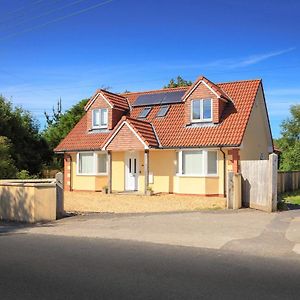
pixel 67 49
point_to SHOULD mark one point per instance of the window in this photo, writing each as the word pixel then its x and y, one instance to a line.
pixel 145 112
pixel 91 163
pixel 163 110
pixel 197 163
pixel 201 110
pixel 102 163
pixel 192 162
pixel 86 161
pixel 100 118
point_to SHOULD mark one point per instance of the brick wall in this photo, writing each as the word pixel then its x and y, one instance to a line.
pixel 202 92
pixel 125 140
pixel 114 115
pixel 67 172
pixel 234 159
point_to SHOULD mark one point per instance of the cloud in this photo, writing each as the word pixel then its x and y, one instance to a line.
pixel 227 63
pixel 247 61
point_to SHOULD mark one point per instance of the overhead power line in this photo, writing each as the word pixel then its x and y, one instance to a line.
pixel 57 20
pixel 49 12
pixel 22 8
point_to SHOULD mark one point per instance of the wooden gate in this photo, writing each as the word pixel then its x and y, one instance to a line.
pixel 259 183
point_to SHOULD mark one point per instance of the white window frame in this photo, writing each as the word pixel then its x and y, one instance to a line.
pixel 100 113
pixel 204 171
pixel 95 164
pixel 201 111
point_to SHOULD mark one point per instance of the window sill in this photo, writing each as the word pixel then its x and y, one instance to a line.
pixel 92 174
pixel 202 121
pixel 198 176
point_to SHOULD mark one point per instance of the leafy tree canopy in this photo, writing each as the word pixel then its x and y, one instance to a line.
pixel 179 81
pixel 289 142
pixel 27 148
pixel 7 164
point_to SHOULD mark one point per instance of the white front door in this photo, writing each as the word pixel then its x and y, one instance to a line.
pixel 131 172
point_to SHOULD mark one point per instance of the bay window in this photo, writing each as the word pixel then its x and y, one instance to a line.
pixel 197 163
pixel 100 118
pixel 201 110
pixel 92 163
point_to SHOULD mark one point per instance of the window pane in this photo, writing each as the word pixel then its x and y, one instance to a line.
pixel 196 109
pixel 211 162
pixel 103 117
pixel 207 109
pixel 102 162
pixel 96 117
pixel 144 113
pixel 192 162
pixel 163 111
pixel 86 163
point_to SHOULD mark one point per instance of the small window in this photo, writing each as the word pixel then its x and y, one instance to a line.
pixel 163 110
pixel 102 163
pixel 145 112
pixel 192 162
pixel 201 110
pixel 100 118
pixel 212 160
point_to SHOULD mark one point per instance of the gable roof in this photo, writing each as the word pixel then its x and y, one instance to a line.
pixel 143 130
pixel 171 131
pixel 114 100
pixel 217 90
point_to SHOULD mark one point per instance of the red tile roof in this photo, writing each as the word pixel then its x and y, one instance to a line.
pixel 114 99
pixel 143 128
pixel 171 129
pixel 80 139
pixel 217 89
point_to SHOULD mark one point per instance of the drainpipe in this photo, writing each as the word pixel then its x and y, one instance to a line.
pixel 224 171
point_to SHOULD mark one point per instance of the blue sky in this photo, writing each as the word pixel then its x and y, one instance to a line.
pixel 68 48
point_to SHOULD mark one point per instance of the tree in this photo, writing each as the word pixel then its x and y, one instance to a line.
pixel 28 148
pixel 60 127
pixel 7 164
pixel 178 82
pixel 289 142
pixel 56 113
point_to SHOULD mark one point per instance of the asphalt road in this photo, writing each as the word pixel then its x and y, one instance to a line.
pixel 53 267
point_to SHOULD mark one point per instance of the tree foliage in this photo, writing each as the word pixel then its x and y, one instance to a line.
pixel 289 142
pixel 60 127
pixel 7 164
pixel 178 82
pixel 28 149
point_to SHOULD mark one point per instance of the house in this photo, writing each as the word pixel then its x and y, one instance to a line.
pixel 178 140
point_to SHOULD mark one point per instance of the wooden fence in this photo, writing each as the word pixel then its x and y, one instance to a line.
pixel 288 181
pixel 259 183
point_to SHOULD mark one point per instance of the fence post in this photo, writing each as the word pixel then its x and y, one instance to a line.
pixel 272 184
pixel 59 194
pixel 234 190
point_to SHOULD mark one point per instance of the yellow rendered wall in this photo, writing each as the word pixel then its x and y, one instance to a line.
pixel 162 163
pixel 141 182
pixel 257 138
pixel 84 182
pixel 118 171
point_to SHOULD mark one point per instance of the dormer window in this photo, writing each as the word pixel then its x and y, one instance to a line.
pixel 100 118
pixel 201 110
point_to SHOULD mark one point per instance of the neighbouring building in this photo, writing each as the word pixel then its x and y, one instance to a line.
pixel 177 140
